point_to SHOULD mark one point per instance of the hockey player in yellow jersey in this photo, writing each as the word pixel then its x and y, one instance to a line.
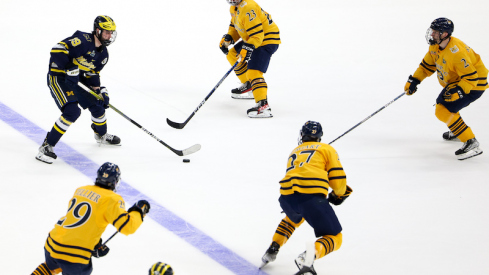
pixel 312 168
pixel 76 237
pixel 462 74
pixel 260 39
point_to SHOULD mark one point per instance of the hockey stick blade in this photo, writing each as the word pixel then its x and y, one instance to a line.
pixel 191 150
pixel 175 125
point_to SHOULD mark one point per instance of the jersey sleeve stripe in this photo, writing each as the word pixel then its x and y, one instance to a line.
pixel 302 178
pixel 335 169
pixel 424 66
pixel 124 224
pixel 266 39
pixel 256 26
pixel 270 33
pixel 337 178
pixel 472 73
pixel 120 216
pixel 256 33
pixel 430 65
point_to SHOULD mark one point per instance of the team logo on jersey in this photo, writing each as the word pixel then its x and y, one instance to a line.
pixel 92 54
pixel 454 49
pixel 104 61
pixel 444 62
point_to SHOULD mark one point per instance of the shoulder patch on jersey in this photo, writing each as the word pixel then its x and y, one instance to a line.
pixel 104 61
pixel 243 4
pixel 454 49
pixel 87 37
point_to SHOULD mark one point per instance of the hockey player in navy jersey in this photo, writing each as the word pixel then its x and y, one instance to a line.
pixel 79 58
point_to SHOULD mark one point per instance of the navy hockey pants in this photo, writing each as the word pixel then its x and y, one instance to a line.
pixel 456 106
pixel 67 267
pixel 315 209
pixel 260 58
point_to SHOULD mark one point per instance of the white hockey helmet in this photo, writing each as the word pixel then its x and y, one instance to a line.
pixel 234 2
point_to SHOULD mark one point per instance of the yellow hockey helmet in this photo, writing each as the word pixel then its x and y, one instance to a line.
pixel 104 22
pixel 160 268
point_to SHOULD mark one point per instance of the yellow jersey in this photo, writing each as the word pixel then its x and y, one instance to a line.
pixel 254 25
pixel 457 64
pixel 312 168
pixel 90 210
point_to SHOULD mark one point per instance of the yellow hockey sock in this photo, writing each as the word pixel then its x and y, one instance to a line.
pixel 284 230
pixel 258 84
pixel 455 123
pixel 327 244
pixel 241 68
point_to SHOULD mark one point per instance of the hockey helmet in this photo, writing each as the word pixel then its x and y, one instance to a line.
pixel 160 268
pixel 442 25
pixel 234 2
pixel 104 22
pixel 108 176
pixel 311 131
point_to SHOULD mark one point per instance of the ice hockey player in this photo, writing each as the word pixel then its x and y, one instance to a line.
pixel 79 58
pixel 464 78
pixel 160 268
pixel 260 39
pixel 312 168
pixel 76 237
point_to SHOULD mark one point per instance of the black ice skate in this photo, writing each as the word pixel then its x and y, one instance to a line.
pixel 450 136
pixel 305 266
pixel 261 110
pixel 242 92
pixel 469 149
pixel 46 153
pixel 107 138
pixel 270 254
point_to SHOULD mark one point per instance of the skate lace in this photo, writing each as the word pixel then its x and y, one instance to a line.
pixel 469 145
pixel 108 137
pixel 243 87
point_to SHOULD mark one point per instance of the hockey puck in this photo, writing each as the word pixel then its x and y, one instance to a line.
pixel 186 160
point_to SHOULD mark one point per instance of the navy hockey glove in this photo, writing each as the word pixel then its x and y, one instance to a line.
pixel 100 250
pixel 453 94
pixel 142 207
pixel 411 85
pixel 337 200
pixel 225 42
pixel 246 51
pixel 72 74
pixel 105 95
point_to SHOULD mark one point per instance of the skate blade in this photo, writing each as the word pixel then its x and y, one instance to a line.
pixel 100 144
pixel 263 264
pixel 243 96
pixel 470 154
pixel 265 114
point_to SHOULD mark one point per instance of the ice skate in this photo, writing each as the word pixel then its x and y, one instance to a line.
pixel 243 92
pixel 450 136
pixel 107 138
pixel 469 149
pixel 305 264
pixel 270 254
pixel 46 153
pixel 261 110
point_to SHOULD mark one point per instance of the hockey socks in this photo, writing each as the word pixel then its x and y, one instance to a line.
pixel 284 230
pixel 43 269
pixel 327 244
pixel 455 123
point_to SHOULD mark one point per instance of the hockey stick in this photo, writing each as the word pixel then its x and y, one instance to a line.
pixel 368 117
pixel 177 125
pixel 184 152
pixel 113 235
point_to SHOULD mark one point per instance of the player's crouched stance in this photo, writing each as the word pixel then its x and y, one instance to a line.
pixel 312 168
pixel 85 52
pixel 260 39
pixel 464 78
pixel 76 237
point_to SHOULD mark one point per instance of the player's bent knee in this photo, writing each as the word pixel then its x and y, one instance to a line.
pixel 71 112
pixel 96 110
pixel 255 75
pixel 443 114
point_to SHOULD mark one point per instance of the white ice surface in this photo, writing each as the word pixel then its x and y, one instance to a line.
pixel 415 208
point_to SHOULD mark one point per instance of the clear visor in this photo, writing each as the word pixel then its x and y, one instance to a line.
pixel 108 37
pixel 429 36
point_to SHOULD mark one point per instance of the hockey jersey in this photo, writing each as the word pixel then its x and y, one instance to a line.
pixel 457 64
pixel 312 168
pixel 79 49
pixel 90 210
pixel 254 25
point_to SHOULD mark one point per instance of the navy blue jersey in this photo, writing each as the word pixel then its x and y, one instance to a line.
pixel 79 49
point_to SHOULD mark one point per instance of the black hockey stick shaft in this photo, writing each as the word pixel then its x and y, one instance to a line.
pixel 184 152
pixel 358 124
pixel 177 125
pixel 113 235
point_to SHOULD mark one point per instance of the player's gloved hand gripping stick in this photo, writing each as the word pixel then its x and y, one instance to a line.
pixel 184 152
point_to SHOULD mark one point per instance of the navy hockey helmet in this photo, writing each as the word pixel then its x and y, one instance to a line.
pixel 234 2
pixel 160 268
pixel 104 22
pixel 442 25
pixel 311 131
pixel 108 176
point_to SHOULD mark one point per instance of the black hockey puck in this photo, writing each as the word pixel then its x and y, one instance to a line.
pixel 186 160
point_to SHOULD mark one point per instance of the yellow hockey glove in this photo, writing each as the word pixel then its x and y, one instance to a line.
pixel 453 94
pixel 411 85
pixel 246 51
pixel 337 200
pixel 226 40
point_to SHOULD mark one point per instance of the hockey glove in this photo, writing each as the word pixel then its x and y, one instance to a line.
pixel 105 95
pixel 337 200
pixel 246 52
pixel 72 74
pixel 453 94
pixel 411 85
pixel 225 42
pixel 142 207
pixel 100 250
